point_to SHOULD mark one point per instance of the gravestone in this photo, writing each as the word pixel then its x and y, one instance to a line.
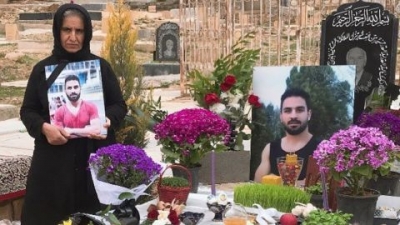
pixel 167 42
pixel 167 54
pixel 363 34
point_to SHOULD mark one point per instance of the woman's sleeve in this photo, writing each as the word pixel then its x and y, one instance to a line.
pixel 115 105
pixel 32 106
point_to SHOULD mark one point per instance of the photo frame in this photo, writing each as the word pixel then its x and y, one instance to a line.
pixel 76 101
pixel 331 90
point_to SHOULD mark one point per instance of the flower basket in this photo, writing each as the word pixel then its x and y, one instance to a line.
pixel 167 193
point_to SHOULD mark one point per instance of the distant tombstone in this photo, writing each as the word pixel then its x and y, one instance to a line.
pixel 365 35
pixel 167 42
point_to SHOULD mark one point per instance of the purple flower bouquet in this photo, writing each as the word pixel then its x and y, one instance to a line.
pixel 118 168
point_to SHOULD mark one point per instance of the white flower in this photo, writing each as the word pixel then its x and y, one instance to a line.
pixel 163 214
pixel 218 108
pixel 161 222
pixel 234 99
pixel 224 95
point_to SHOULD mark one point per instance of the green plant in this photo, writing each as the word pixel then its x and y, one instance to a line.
pixel 315 189
pixel 227 90
pixel 283 198
pixel 322 217
pixel 119 51
pixel 174 182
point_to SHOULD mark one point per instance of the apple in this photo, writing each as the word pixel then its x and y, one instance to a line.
pixel 288 219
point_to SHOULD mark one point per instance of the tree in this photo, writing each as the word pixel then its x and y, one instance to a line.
pixel 260 139
pixel 119 51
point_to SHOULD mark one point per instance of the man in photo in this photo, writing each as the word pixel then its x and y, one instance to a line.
pixel 358 57
pixel 364 82
pixel 169 45
pixel 78 117
pixel 295 113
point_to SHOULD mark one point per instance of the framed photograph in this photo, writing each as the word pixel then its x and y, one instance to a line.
pixel 331 90
pixel 76 100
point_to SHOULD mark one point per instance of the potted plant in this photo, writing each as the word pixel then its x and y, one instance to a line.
pixel 316 194
pixel 355 155
pixel 187 135
pixel 173 188
pixel 389 123
pixel 322 217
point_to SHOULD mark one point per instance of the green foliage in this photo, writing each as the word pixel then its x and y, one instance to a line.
pixel 119 51
pixel 109 216
pixel 269 128
pixel 174 182
pixel 10 92
pixel 282 198
pixel 322 217
pixel 315 189
pixel 25 59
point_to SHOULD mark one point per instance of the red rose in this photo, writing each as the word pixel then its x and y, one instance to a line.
pixel 254 101
pixel 230 80
pixel 211 98
pixel 152 214
pixel 173 217
pixel 225 87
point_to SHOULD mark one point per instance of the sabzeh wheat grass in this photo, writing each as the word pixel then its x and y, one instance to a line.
pixel 282 198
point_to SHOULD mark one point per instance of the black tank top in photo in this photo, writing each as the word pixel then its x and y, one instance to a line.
pixel 277 151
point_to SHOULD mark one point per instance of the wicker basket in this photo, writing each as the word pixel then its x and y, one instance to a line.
pixel 168 194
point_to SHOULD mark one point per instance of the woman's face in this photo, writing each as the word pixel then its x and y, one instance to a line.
pixel 72 34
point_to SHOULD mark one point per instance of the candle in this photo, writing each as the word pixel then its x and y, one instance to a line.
pixel 324 192
pixel 213 173
pixel 291 159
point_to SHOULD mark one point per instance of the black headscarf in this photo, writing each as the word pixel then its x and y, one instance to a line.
pixel 58 50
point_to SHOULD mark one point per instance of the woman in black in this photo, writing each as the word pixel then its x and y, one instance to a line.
pixel 59 182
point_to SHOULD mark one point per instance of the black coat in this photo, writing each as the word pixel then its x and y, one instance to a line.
pixel 59 182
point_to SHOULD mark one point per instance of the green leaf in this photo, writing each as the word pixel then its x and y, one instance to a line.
pixel 113 219
pixel 125 195
pixel 364 170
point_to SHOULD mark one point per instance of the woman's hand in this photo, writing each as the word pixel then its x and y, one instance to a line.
pixel 55 135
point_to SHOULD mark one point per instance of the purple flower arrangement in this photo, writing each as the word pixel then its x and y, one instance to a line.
pixel 386 121
pixel 355 155
pixel 124 165
pixel 187 135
